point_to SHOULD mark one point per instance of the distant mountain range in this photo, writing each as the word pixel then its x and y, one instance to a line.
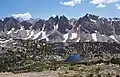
pixel 89 28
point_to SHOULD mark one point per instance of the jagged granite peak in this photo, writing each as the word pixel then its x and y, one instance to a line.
pixel 54 19
pixel 9 18
pixel 94 17
pixel 10 22
pixel 64 25
pixel 61 29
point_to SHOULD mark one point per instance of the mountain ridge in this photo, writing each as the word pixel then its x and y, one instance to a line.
pixel 89 28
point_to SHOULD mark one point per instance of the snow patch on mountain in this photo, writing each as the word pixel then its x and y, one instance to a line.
pixel 94 37
pixel 9 32
pixel 56 27
pixel 31 34
pixel 92 20
pixel 44 36
pixel 37 35
pixel 78 40
pixel 113 37
pixel 74 35
pixel 5 41
pixel 65 36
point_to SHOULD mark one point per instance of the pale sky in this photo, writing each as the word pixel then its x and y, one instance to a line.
pixel 69 8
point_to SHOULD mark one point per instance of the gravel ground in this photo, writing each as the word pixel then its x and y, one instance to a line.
pixel 31 74
pixel 77 70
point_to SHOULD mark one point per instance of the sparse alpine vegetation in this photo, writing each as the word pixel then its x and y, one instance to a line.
pixel 96 58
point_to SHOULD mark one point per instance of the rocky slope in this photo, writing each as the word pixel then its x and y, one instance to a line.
pixel 89 28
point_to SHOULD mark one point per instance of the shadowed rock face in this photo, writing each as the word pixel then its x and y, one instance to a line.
pixel 49 26
pixel 116 24
pixel 54 20
pixel 1 25
pixel 63 24
pixel 38 25
pixel 89 28
pixel 26 25
pixel 55 36
pixel 10 22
